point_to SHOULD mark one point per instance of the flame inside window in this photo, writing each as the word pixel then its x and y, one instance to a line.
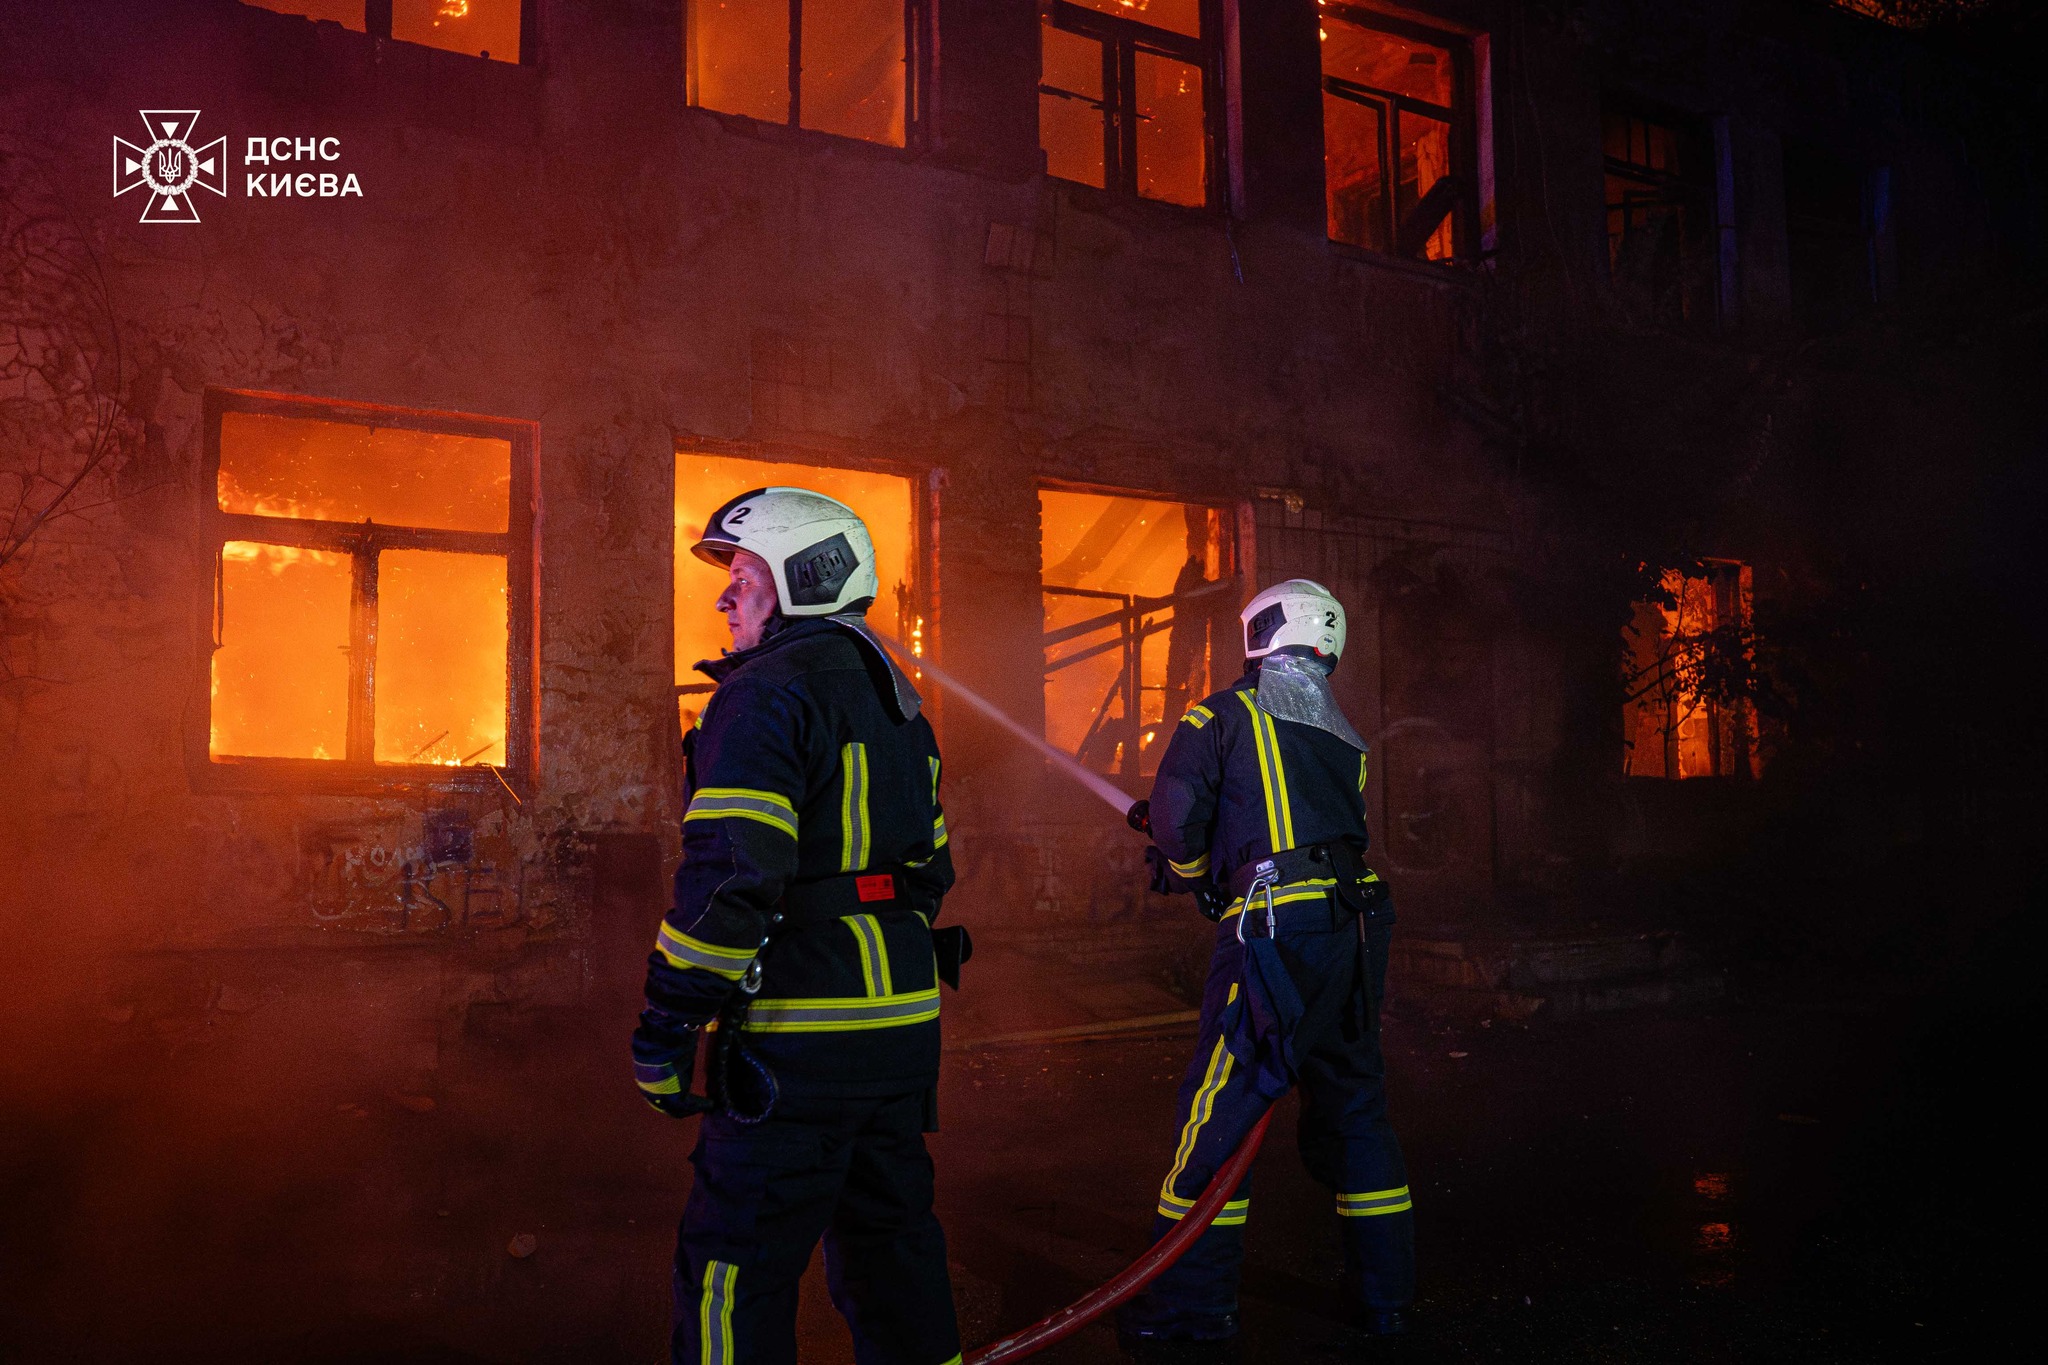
pixel 476 28
pixel 280 676
pixel 704 483
pixel 1673 726
pixel 1129 616
pixel 339 634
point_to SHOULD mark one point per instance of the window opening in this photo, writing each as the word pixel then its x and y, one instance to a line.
pixel 1832 213
pixel 1397 153
pixel 475 28
pixel 1139 593
pixel 1125 97
pixel 373 582
pixel 1660 222
pixel 705 482
pixel 846 67
pixel 1674 725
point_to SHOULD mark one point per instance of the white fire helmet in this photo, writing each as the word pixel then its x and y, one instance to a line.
pixel 1298 612
pixel 818 547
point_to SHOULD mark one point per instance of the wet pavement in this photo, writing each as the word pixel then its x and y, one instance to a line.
pixel 1758 1180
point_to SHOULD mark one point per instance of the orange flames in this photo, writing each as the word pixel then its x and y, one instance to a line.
pixel 433 623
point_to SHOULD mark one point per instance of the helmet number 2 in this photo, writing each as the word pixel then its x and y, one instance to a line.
pixel 737 515
pixel 1330 619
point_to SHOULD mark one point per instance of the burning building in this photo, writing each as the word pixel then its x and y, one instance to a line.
pixel 347 641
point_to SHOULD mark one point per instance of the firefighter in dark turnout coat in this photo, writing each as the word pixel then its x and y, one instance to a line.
pixel 1259 808
pixel 801 944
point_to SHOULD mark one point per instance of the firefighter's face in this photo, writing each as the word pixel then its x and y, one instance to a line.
pixel 749 598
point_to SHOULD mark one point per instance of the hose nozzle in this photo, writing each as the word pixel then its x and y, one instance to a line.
pixel 1139 817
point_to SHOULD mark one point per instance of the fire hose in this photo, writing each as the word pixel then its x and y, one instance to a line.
pixel 1139 1273
pixel 1174 1244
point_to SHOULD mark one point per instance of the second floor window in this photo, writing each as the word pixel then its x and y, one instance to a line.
pixel 1398 159
pixel 1124 97
pixel 372 602
pixel 1660 219
pixel 835 66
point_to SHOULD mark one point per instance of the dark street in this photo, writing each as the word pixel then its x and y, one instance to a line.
pixel 1760 1179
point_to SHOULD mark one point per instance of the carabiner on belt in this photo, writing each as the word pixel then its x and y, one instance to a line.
pixel 1264 875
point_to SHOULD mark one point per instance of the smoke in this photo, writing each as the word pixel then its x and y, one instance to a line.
pixel 1117 799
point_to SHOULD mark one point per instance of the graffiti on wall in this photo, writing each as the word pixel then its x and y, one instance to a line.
pixel 435 871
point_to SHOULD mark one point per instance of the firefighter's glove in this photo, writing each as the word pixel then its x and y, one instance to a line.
pixel 1159 874
pixel 664 1059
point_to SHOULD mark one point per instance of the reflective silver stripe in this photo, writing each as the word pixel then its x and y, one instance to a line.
pixel 714 803
pixel 714 1312
pixel 841 1014
pixel 874 953
pixel 683 951
pixel 853 807
pixel 1372 1202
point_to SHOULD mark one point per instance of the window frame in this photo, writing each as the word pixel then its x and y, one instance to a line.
pixel 1692 190
pixel 1237 539
pixel 1732 727
pixel 517 545
pixel 1122 40
pixel 920 44
pixel 1462 115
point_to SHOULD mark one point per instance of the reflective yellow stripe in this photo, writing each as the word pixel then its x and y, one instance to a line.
pixel 1272 776
pixel 714 1312
pixel 685 952
pixel 1313 889
pixel 933 760
pixel 1204 1104
pixel 874 953
pixel 938 832
pixel 1199 867
pixel 1372 1203
pixel 1198 716
pixel 743 803
pixel 853 808
pixel 1234 1213
pixel 1362 759
pixel 670 1085
pixel 842 1014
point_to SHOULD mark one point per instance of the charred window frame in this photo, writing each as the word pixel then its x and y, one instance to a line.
pixel 784 105
pixel 1137 627
pixel 414 21
pixel 1406 223
pixel 1663 245
pixel 1116 96
pixel 357 771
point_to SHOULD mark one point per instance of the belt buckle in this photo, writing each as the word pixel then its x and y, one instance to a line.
pixel 1263 877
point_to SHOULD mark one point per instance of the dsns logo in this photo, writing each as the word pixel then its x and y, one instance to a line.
pixel 170 166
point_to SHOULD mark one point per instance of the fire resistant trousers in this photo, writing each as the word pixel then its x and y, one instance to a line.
pixel 1345 1139
pixel 853 1171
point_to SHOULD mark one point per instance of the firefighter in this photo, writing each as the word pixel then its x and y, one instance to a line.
pixel 1259 809
pixel 800 946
